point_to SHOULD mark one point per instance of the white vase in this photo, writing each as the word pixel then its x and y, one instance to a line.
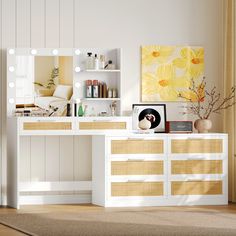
pixel 144 124
pixel 203 125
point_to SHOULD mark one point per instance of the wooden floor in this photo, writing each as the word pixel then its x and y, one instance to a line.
pixel 6 231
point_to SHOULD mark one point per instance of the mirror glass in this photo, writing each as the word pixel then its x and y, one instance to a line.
pixel 44 82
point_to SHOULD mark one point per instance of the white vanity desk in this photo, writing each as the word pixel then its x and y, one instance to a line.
pixel 125 169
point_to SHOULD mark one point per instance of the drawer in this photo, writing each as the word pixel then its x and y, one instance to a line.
pixel 47 125
pixel 102 125
pixel 196 146
pixel 196 187
pixel 137 189
pixel 137 146
pixel 137 168
pixel 196 167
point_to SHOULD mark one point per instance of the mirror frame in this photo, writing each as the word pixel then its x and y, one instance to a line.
pixel 11 65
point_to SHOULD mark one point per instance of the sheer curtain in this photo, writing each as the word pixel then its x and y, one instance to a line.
pixel 229 81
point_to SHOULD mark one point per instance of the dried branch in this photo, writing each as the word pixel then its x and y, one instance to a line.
pixel 211 98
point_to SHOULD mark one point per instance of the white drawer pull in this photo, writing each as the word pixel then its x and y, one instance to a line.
pixel 103 120
pixel 195 158
pixel 136 180
pixel 46 121
pixel 195 180
pixel 197 138
pixel 135 139
pixel 135 159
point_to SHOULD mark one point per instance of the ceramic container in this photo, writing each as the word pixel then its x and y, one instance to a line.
pixel 203 125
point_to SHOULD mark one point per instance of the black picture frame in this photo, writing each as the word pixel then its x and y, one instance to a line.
pixel 159 112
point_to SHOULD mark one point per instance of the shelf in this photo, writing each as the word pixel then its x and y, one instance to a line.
pixel 100 99
pixel 101 71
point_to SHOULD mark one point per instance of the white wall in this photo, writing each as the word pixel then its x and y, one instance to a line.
pixel 113 23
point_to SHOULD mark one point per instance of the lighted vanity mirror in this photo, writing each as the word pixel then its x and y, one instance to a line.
pixel 39 85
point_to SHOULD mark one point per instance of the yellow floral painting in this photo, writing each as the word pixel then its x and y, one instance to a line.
pixel 167 72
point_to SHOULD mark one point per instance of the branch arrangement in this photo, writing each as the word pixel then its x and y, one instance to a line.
pixel 207 102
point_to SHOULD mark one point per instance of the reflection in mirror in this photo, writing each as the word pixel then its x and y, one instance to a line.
pixel 44 84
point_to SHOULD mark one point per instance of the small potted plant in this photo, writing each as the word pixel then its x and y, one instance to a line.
pixel 203 103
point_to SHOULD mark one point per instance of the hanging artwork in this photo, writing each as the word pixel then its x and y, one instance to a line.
pixel 168 71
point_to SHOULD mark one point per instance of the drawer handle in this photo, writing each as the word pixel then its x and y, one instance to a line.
pixel 135 139
pixel 46 121
pixel 129 159
pixel 196 180
pixel 103 120
pixel 195 158
pixel 197 138
pixel 136 181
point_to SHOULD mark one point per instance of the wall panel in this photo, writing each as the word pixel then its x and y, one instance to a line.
pixel 52 23
pixel 38 23
pixel 66 158
pixel 52 165
pixel 23 33
pixel 66 23
pixel 25 160
pixel 37 156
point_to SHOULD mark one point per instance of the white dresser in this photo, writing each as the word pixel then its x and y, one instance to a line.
pixel 160 170
pixel 101 161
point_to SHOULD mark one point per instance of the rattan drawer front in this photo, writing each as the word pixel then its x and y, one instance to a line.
pixel 197 146
pixel 196 167
pixel 102 125
pixel 137 147
pixel 137 189
pixel 137 168
pixel 196 187
pixel 47 126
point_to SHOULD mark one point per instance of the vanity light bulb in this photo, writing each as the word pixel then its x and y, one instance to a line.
pixel 11 100
pixel 54 51
pixel 77 69
pixel 77 85
pixel 11 85
pixel 11 68
pixel 77 52
pixel 11 51
pixel 33 51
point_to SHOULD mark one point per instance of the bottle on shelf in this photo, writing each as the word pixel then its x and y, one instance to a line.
pixel 114 93
pixel 102 62
pixel 96 62
pixel 109 93
pixel 68 109
pixel 95 88
pixel 88 88
pixel 100 90
pixel 80 111
pixel 104 90
pixel 89 61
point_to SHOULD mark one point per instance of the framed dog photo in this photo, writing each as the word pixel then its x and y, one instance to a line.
pixel 152 114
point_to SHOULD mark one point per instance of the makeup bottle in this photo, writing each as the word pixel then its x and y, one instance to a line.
pixel 102 62
pixel 88 88
pixel 95 88
pixel 89 61
pixel 96 62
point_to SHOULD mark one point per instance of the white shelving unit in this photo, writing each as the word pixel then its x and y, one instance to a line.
pixel 112 78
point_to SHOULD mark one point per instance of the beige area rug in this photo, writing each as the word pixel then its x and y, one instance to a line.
pixel 124 222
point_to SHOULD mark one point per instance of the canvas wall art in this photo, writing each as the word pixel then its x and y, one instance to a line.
pixel 168 71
